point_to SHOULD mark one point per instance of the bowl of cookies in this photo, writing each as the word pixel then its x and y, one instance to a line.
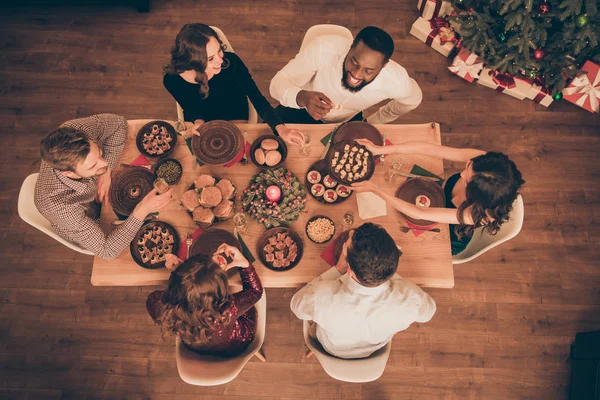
pixel 268 151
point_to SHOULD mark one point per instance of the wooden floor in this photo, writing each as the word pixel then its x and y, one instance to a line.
pixel 502 333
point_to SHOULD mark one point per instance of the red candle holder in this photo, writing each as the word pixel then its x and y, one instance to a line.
pixel 273 193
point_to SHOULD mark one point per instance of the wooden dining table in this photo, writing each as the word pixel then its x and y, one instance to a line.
pixel 426 259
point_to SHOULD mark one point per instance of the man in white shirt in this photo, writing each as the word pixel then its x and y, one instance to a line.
pixel 334 79
pixel 360 304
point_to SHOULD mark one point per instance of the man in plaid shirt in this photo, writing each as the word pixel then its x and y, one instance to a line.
pixel 74 180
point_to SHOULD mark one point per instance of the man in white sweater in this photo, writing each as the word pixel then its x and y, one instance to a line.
pixel 360 304
pixel 334 79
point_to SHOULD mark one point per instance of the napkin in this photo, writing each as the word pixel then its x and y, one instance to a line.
pixel 140 161
pixel 245 250
pixel 238 158
pixel 329 254
pixel 370 205
pixel 181 253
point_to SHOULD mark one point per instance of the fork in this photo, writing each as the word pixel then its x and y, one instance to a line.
pixel 188 242
pixel 244 160
pixel 406 229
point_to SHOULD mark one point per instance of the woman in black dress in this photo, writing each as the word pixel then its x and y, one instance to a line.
pixel 483 193
pixel 210 84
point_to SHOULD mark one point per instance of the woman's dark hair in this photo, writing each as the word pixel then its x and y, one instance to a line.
pixel 372 255
pixel 376 39
pixel 189 53
pixel 196 301
pixel 491 193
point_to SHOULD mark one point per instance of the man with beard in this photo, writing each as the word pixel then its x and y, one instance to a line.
pixel 74 180
pixel 333 80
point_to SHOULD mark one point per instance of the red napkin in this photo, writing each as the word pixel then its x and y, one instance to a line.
pixel 329 254
pixel 140 161
pixel 387 143
pixel 238 158
pixel 183 246
pixel 419 230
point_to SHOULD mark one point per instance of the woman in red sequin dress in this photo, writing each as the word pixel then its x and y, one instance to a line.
pixel 198 307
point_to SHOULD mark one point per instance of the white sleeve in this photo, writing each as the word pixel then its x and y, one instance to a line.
pixel 400 104
pixel 427 308
pixel 286 84
pixel 303 302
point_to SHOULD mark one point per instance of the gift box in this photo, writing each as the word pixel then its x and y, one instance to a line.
pixel 436 33
pixel 584 89
pixel 505 83
pixel 467 65
pixel 434 8
pixel 539 93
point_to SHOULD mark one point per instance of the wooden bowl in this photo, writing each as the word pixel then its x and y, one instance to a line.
pixel 339 147
pixel 314 218
pixel 164 161
pixel 133 247
pixel 128 188
pixel 281 149
pixel 414 189
pixel 139 138
pixel 264 240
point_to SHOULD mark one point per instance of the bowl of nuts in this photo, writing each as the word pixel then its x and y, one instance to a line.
pixel 320 229
pixel 169 169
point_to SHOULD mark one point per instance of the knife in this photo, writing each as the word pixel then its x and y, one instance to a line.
pixel 406 174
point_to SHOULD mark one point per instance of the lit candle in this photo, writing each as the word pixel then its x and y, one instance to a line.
pixel 273 193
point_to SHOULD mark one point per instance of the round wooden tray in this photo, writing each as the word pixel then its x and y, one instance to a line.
pixel 413 188
pixel 133 246
pixel 124 184
pixel 321 166
pixel 358 130
pixel 264 239
pixel 281 149
pixel 217 219
pixel 148 128
pixel 339 147
pixel 314 218
pixel 219 142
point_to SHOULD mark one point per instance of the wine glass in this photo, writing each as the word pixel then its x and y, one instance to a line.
pixel 161 185
pixel 241 222
pixel 305 148
pixel 180 127
pixel 394 166
pixel 347 220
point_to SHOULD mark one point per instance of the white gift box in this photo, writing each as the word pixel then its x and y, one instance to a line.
pixel 519 91
pixel 421 29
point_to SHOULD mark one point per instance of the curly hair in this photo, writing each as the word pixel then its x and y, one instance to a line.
pixel 196 301
pixel 189 53
pixel 490 193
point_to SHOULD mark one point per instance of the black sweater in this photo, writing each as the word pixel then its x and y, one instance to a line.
pixel 226 98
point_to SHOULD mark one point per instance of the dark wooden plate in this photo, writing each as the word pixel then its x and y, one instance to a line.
pixel 264 239
pixel 208 242
pixel 321 166
pixel 219 142
pixel 281 149
pixel 313 219
pixel 358 130
pixel 128 188
pixel 413 188
pixel 148 128
pixel 339 147
pixel 133 246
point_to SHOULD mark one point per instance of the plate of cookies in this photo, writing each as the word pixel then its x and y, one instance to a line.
pixel 156 139
pixel 209 200
pixel 323 187
pixel 280 249
pixel 349 162
pixel 268 151
pixel 152 243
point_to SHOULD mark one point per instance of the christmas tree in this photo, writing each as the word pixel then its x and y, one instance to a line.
pixel 548 39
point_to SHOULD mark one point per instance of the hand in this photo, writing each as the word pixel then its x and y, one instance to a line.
pixel 232 252
pixel 290 136
pixel 373 148
pixel 316 103
pixel 172 261
pixel 193 128
pixel 152 202
pixel 364 186
pixel 102 186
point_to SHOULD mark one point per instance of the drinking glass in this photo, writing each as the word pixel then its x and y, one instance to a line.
pixel 241 222
pixel 161 185
pixel 347 220
pixel 305 148
pixel 180 127
pixel 394 166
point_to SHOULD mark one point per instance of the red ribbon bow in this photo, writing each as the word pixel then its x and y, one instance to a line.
pixel 504 80
pixel 440 26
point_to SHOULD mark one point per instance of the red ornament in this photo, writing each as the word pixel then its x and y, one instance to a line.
pixel 544 8
pixel 538 54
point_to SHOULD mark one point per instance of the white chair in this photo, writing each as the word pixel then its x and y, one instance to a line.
pixel 348 370
pixel 252 114
pixel 482 241
pixel 202 370
pixel 30 214
pixel 325 29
